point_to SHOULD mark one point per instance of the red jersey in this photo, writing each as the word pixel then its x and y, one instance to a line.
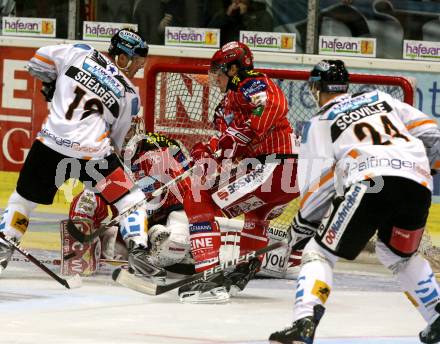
pixel 156 161
pixel 256 101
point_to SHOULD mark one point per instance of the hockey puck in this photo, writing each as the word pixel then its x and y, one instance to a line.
pixel 70 255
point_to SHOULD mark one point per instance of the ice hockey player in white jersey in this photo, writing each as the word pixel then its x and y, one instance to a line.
pixel 92 103
pixel 364 167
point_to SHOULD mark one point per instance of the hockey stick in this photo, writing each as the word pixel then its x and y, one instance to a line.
pixel 144 286
pixel 185 174
pixel 75 282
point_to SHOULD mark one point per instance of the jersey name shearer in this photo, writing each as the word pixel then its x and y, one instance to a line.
pixel 343 121
pixel 92 84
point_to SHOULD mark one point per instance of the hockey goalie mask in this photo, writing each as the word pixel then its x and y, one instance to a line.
pixel 328 76
pixel 232 53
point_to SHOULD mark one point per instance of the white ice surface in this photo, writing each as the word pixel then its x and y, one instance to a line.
pixel 35 309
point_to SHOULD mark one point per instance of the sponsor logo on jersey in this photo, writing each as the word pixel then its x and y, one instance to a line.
pixel 343 213
pixel 105 75
pixel 276 211
pixel 344 121
pixel 60 141
pixel 372 162
pixel 244 206
pixel 95 86
pixel 200 227
pixel 351 104
pixel 253 86
pixel 255 175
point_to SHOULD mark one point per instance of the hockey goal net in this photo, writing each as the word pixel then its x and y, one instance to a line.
pixel 180 103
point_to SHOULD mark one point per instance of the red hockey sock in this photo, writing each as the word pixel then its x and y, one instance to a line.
pixel 253 235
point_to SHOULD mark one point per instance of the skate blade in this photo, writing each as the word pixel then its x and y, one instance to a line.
pixel 217 295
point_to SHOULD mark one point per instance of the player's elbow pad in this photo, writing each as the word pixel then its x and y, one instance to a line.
pixel 40 73
pixel 431 141
pixel 301 231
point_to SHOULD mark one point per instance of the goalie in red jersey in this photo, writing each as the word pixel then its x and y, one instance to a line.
pixel 256 150
pixel 155 160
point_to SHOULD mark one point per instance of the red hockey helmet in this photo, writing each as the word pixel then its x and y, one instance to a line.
pixel 232 53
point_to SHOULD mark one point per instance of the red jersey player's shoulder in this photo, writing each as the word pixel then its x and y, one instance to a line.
pixel 252 84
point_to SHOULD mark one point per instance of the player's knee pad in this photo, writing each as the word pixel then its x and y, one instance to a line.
pixel 389 259
pixel 314 252
pixel 15 218
pixel 134 227
pixel 169 244
pixel 405 242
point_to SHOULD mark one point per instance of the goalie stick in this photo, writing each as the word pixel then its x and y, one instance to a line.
pixel 129 280
pixel 74 282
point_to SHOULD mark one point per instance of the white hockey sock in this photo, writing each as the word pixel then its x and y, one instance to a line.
pixel 315 280
pixel 15 218
pixel 416 279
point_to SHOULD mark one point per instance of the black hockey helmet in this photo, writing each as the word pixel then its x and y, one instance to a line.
pixel 329 76
pixel 128 41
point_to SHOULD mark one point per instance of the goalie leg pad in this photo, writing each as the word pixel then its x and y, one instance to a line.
pixel 76 257
pixel 134 228
pixel 275 263
pixel 416 278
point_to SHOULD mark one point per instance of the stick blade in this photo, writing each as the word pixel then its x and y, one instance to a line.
pixel 74 282
pixel 125 278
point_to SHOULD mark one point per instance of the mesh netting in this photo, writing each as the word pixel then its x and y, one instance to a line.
pixel 184 109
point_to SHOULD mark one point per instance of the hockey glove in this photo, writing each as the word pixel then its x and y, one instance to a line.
pixel 201 151
pixel 301 231
pixel 48 90
pixel 235 140
pixel 204 160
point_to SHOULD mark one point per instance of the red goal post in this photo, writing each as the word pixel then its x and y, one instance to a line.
pixel 180 102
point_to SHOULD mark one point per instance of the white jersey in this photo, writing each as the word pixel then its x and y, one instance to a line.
pixel 357 137
pixel 93 101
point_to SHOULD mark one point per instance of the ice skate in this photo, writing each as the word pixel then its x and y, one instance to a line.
pixel 141 264
pixel 241 275
pixel 213 290
pixel 6 252
pixel 302 331
pixel 431 334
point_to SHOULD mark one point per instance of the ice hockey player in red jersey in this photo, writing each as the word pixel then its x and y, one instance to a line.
pixel 155 159
pixel 256 138
pixel 364 167
pixel 92 103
